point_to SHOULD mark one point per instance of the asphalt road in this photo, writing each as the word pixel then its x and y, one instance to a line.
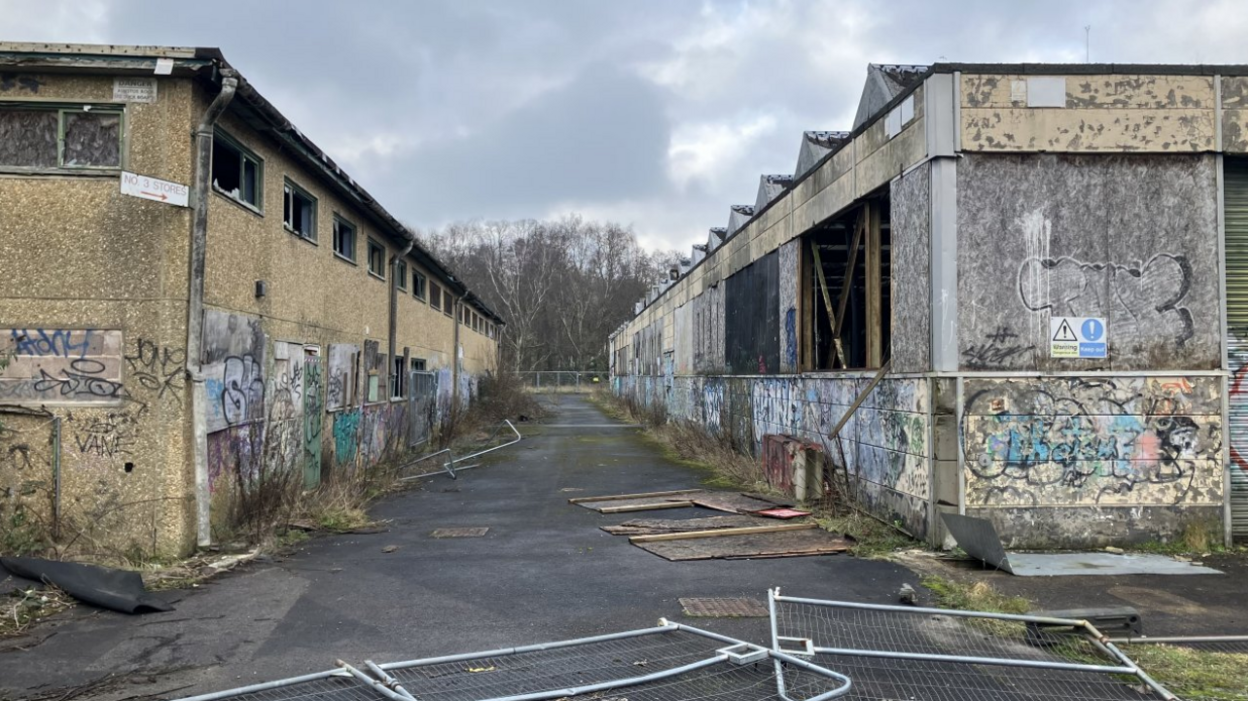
pixel 543 572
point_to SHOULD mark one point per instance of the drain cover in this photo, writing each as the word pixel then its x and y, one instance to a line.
pixel 724 608
pixel 474 532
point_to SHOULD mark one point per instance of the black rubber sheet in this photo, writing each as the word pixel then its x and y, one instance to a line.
pixel 118 590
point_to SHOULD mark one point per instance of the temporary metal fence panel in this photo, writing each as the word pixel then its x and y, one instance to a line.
pixel 422 404
pixel 562 380
pixel 670 662
pixel 899 652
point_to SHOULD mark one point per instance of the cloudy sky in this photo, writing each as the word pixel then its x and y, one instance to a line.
pixel 654 113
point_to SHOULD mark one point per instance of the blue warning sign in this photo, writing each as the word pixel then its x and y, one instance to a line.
pixel 1077 337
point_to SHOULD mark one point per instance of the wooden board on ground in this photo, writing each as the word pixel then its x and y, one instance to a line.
pixel 610 505
pixel 760 545
pixel 651 526
pixel 730 502
pixel 633 497
pixel 644 506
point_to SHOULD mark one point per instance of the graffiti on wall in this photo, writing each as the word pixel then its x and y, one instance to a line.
pixel 233 367
pixel 313 419
pixel 346 436
pixel 64 366
pixel 1080 441
pixel 1000 346
pixel 156 368
pixel 1141 298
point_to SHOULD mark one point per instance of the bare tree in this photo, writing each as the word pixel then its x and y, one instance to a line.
pixel 562 286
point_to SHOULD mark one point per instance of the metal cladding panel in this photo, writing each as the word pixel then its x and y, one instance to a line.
pixel 751 324
pixel 1236 203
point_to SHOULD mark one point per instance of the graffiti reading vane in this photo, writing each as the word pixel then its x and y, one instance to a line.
pixel 1077 337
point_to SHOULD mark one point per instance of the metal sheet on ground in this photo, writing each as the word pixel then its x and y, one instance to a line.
pixel 979 539
pixel 759 545
pixel 653 526
pixel 1101 564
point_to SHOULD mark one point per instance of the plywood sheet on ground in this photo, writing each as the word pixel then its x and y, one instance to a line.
pixel 730 502
pixel 653 526
pixel 759 545
pixel 615 504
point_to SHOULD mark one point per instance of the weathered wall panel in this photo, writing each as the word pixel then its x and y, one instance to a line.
pixel 788 281
pixel 1103 113
pixel 1097 449
pixel 910 227
pixel 1129 238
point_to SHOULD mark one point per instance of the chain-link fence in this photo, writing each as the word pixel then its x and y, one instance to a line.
pixel 562 380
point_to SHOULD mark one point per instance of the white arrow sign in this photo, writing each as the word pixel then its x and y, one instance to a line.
pixel 154 189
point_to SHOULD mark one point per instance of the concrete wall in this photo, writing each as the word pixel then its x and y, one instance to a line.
pixel 93 310
pixel 1083 461
pixel 1133 239
pixel 886 443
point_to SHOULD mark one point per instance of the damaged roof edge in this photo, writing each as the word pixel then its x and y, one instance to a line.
pixel 205 63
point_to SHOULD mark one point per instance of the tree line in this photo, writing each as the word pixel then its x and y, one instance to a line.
pixel 563 286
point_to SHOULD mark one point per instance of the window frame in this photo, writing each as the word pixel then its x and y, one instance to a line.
pixel 62 108
pixel 338 221
pixel 371 245
pixel 293 188
pixel 432 286
pixel 398 366
pixel 400 280
pixel 244 154
pixel 424 364
pixel 420 291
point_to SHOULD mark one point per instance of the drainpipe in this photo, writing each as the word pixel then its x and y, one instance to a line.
pixel 458 309
pixel 195 303
pixel 392 339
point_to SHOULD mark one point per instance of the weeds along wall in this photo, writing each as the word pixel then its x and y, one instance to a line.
pixel 1010 199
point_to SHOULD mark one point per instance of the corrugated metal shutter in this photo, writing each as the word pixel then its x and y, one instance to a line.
pixel 1236 189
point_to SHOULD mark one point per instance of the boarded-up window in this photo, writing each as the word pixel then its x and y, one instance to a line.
pixel 52 137
pixel 28 138
pixel 751 324
pixel 92 140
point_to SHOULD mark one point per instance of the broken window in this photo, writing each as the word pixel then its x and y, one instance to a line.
pixel 236 172
pixel 344 239
pixel 398 379
pixel 400 274
pixel 298 211
pixel 418 285
pixel 376 259
pixel 44 136
pixel 846 291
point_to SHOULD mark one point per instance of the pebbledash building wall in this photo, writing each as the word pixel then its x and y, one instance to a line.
pixel 973 204
pixel 150 369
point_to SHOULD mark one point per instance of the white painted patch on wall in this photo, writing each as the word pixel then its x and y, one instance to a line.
pixel 899 117
pixel 1045 91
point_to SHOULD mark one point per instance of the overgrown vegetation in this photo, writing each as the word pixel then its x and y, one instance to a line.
pixel 690 445
pixel 1195 675
pixel 1198 538
pixel 979 596
pixel 1192 674
pixel 873 538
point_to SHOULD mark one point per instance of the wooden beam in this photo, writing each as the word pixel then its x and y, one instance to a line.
pixel 862 397
pixel 875 288
pixel 653 506
pixel 722 532
pixel 827 301
pixel 643 495
pixel 851 263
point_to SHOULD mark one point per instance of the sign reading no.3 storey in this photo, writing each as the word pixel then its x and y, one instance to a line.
pixel 154 189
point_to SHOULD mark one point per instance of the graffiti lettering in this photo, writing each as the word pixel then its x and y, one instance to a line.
pixel 1000 347
pixel 76 384
pixel 158 369
pixel 242 396
pixel 57 342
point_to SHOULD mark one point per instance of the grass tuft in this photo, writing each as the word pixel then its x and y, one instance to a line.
pixel 1195 675
pixel 979 596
